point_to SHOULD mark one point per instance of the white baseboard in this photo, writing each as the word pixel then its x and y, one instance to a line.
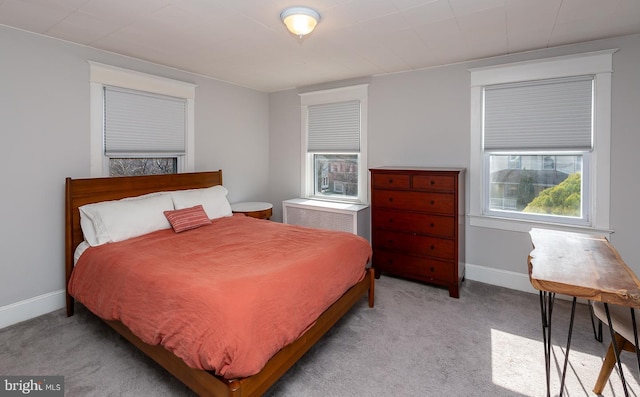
pixel 502 278
pixel 505 278
pixel 31 308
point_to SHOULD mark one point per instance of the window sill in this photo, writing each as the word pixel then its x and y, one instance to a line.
pixel 524 226
pixel 334 205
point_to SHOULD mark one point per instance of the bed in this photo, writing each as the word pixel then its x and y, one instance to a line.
pixel 205 381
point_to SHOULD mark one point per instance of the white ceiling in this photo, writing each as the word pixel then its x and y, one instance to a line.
pixel 245 43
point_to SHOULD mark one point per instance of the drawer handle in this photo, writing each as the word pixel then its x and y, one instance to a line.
pixel 390 180
pixel 432 247
pixel 432 225
pixel 432 183
pixel 432 269
pixel 390 199
pixel 391 220
pixel 433 202
pixel 390 241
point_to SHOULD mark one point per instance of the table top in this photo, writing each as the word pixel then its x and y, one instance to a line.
pixel 250 206
pixel 581 265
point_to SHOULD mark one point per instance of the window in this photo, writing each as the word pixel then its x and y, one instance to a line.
pixel 538 129
pixel 140 124
pixel 128 166
pixel 536 121
pixel 334 144
pixel 514 162
pixel 533 190
pixel 144 133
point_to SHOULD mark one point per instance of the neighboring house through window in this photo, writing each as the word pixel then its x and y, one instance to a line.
pixel 140 124
pixel 334 133
pixel 537 131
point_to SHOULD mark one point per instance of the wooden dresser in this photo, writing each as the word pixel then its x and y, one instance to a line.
pixel 417 224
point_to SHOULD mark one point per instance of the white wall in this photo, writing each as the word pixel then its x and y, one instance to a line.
pixel 284 149
pixel 422 118
pixel 44 137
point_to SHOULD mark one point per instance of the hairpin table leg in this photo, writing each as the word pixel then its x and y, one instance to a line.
pixel 615 348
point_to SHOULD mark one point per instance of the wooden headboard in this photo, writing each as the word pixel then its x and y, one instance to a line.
pixel 79 192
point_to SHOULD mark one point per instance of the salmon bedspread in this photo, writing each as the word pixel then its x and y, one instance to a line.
pixel 224 297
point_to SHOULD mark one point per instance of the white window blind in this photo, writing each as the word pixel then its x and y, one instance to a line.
pixel 544 114
pixel 334 127
pixel 141 122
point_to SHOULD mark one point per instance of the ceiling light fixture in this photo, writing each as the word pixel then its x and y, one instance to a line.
pixel 300 20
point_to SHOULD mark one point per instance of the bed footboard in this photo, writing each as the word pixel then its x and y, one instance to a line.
pixel 204 383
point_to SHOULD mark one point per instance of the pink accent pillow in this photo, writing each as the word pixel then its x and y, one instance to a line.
pixel 187 218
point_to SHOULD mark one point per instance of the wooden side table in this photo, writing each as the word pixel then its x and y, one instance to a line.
pixel 254 209
pixel 582 266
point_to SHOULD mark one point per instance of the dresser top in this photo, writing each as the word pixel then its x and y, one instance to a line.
pixel 409 168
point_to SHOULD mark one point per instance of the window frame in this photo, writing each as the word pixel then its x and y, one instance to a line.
pixel 600 65
pixel 102 75
pixel 343 94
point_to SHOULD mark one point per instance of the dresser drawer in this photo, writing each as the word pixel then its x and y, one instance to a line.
pixel 414 244
pixel 391 181
pixel 438 203
pixel 440 183
pixel 426 269
pixel 415 222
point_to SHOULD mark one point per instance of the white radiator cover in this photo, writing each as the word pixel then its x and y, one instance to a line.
pixel 352 218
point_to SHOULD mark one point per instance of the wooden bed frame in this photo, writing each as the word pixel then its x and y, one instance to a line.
pixel 79 192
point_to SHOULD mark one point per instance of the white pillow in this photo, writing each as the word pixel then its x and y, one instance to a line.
pixel 123 219
pixel 94 230
pixel 86 224
pixel 213 200
pixel 90 216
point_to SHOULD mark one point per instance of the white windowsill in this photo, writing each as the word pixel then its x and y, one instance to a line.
pixel 335 205
pixel 524 226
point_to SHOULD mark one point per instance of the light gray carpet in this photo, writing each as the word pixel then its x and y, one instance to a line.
pixel 415 342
